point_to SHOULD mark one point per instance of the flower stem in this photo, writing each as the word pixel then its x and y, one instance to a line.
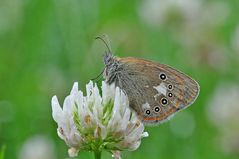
pixel 97 154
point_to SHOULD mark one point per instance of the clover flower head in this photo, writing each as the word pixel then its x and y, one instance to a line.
pixel 97 122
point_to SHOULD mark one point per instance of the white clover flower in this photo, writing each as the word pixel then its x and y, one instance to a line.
pixel 37 147
pixel 95 123
pixel 223 110
pixel 159 12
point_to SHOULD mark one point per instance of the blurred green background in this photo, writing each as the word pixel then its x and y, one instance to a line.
pixel 46 45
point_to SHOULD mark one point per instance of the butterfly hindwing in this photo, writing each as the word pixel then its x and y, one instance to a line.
pixel 155 91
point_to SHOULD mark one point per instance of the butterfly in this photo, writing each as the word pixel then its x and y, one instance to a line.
pixel 155 91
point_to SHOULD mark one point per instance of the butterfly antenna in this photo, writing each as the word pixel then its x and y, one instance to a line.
pixel 107 43
pixel 100 75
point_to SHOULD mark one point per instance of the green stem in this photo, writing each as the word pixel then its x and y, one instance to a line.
pixel 97 154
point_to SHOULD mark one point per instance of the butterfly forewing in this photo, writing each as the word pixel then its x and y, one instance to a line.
pixel 155 91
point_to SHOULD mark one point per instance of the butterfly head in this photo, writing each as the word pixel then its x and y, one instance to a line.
pixel 108 59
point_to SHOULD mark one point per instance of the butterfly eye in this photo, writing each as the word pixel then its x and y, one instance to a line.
pixel 108 58
pixel 162 76
pixel 164 101
pixel 147 112
pixel 170 95
pixel 170 87
pixel 157 109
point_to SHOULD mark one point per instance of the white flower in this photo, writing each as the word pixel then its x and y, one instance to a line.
pixel 37 147
pixel 187 12
pixel 158 12
pixel 223 110
pixel 95 123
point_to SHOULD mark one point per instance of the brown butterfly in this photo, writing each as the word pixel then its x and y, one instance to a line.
pixel 155 91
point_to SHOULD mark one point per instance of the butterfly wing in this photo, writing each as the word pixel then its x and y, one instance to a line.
pixel 155 91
